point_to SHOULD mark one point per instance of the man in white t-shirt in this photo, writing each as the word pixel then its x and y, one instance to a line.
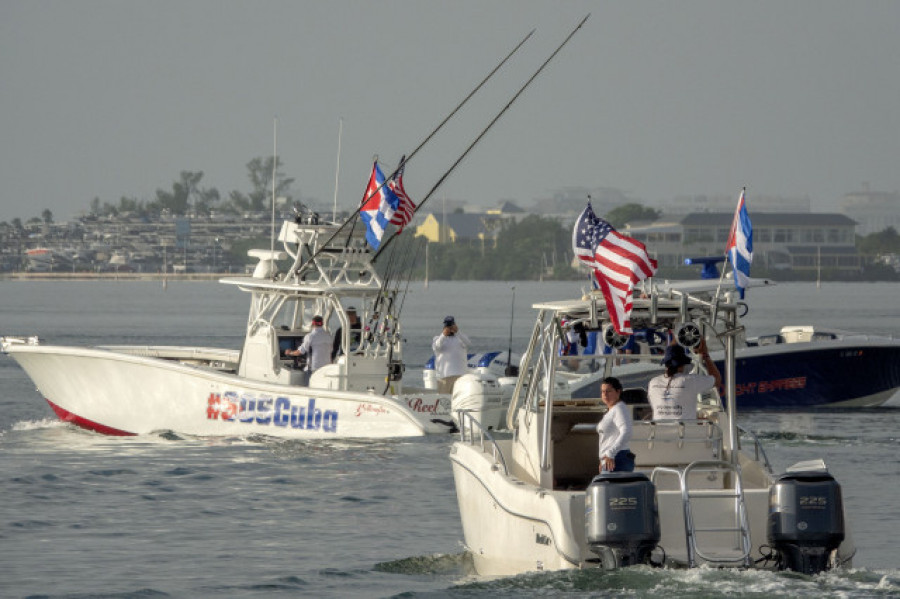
pixel 450 353
pixel 673 395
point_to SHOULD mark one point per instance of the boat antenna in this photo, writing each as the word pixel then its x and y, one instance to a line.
pixel 489 126
pixel 337 169
pixel 510 369
pixel 274 170
pixel 419 147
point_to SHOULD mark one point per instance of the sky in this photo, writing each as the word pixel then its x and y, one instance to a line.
pixel 105 99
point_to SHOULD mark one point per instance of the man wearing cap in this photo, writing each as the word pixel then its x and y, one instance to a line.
pixel 355 334
pixel 673 395
pixel 316 346
pixel 450 353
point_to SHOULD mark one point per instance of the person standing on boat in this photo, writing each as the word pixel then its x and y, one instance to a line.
pixel 673 394
pixel 316 346
pixel 355 334
pixel 614 429
pixel 450 353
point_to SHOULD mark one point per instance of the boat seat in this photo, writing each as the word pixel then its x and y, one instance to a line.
pixel 675 443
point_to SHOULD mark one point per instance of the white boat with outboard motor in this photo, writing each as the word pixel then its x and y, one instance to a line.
pixel 260 389
pixel 703 491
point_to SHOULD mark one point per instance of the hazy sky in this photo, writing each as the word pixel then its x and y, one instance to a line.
pixel 111 98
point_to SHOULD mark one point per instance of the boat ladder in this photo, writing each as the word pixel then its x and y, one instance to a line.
pixel 705 519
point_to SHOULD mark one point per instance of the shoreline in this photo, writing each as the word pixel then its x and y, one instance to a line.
pixel 114 276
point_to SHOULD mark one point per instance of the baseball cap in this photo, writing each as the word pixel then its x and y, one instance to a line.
pixel 449 321
pixel 317 320
pixel 675 356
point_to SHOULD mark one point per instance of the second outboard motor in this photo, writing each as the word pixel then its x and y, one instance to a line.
pixel 621 518
pixel 806 520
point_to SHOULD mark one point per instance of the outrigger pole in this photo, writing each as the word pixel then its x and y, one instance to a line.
pixel 419 147
pixel 486 129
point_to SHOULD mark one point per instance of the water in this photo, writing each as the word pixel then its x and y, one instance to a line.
pixel 84 515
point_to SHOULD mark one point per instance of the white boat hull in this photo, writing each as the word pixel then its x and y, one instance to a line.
pixel 122 393
pixel 511 527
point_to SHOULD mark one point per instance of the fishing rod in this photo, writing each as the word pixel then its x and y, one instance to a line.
pixel 426 140
pixel 393 336
pixel 510 369
pixel 486 129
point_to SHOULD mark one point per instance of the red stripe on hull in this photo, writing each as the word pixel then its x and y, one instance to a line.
pixel 67 416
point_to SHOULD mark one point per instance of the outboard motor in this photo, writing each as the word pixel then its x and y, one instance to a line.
pixel 806 520
pixel 621 518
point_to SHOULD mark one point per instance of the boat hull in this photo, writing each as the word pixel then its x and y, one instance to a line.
pixel 511 527
pixel 120 393
pixel 820 374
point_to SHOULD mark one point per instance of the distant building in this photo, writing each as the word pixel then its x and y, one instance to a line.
pixel 459 226
pixel 875 211
pixel 795 241
pixel 682 205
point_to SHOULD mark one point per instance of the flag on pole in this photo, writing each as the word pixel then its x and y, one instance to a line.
pixel 618 262
pixel 406 208
pixel 740 245
pixel 378 207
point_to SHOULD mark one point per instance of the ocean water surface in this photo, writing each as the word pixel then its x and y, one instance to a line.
pixel 83 515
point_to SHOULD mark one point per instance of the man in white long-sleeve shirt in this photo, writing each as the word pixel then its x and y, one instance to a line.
pixel 316 346
pixel 450 353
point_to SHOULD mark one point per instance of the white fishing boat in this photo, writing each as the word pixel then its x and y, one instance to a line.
pixel 260 389
pixel 703 491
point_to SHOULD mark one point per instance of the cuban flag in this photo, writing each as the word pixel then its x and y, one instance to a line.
pixel 619 262
pixel 740 246
pixel 378 207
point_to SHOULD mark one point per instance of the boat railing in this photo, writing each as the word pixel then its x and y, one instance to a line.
pixel 759 451
pixel 473 433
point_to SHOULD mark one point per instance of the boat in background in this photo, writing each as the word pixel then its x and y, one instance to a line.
pixel 800 367
pixel 703 492
pixel 260 389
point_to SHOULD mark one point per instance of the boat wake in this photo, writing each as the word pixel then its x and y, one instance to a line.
pixel 458 564
pixel 644 581
pixel 794 439
pixel 34 425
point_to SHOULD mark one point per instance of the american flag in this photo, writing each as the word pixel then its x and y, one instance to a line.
pixel 618 262
pixel 406 208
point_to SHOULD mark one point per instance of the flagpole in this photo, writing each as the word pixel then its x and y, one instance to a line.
pixel 489 126
pixel 430 135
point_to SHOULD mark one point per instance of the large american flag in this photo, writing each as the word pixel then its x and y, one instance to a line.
pixel 406 208
pixel 618 262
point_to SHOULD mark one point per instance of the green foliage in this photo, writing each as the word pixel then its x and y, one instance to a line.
pixel 619 217
pixel 884 242
pixel 534 248
pixel 260 173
